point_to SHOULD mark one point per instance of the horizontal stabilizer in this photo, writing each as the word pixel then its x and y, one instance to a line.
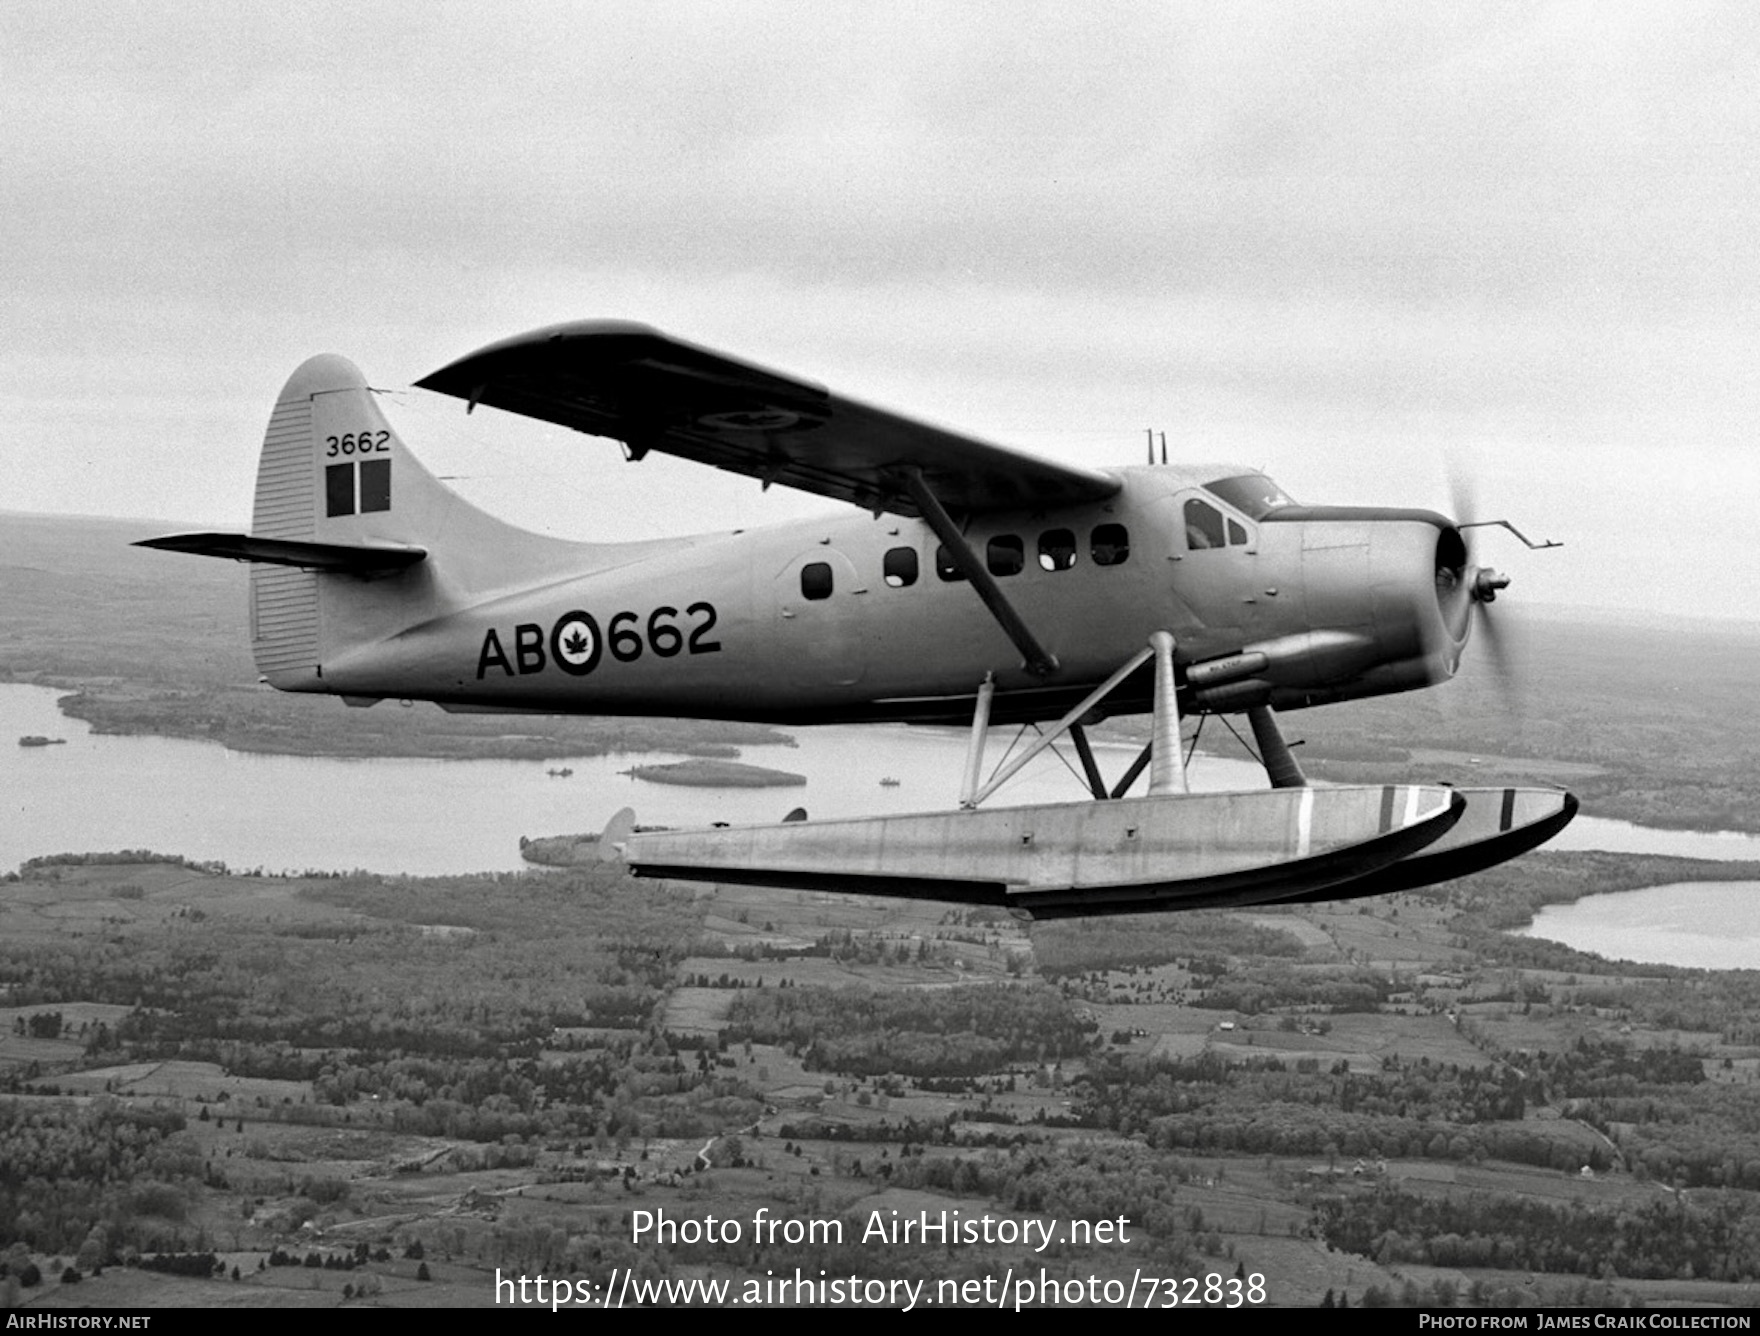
pixel 344 558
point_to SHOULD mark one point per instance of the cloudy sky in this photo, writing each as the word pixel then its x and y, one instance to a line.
pixel 1362 246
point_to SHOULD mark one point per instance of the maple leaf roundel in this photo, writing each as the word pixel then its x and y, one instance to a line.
pixel 575 644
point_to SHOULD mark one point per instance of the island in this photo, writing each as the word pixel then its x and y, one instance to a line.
pixel 712 774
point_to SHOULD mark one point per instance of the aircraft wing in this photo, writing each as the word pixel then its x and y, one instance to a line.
pixel 654 392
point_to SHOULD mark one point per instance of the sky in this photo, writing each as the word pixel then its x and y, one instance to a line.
pixel 1400 253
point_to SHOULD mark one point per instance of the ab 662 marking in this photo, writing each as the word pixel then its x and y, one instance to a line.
pixel 575 646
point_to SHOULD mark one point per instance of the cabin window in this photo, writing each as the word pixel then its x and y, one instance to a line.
pixel 1237 532
pixel 816 580
pixel 1110 545
pixel 945 566
pixel 1005 555
pixel 900 567
pixel 1203 526
pixel 1057 549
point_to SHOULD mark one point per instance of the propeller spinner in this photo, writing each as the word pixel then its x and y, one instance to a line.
pixel 1467 588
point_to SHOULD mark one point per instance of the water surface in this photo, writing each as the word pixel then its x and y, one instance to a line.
pixel 1705 924
pixel 429 817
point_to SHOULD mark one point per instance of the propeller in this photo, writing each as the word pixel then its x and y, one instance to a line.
pixel 1482 584
pixel 1484 589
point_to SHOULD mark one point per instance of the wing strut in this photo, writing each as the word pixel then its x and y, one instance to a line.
pixel 1040 661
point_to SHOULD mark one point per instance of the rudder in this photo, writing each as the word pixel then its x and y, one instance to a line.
pixel 284 599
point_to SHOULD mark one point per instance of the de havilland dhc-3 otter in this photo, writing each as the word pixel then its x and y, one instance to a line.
pixel 969 583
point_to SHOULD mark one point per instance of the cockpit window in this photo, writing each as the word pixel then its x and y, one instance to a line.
pixel 1253 494
pixel 1203 526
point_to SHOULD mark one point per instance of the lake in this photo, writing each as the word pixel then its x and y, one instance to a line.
pixel 1712 925
pixel 428 817
pixel 431 817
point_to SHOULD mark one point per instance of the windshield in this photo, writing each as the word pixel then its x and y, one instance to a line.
pixel 1251 493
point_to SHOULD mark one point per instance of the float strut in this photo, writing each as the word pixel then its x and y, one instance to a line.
pixel 1280 763
pixel 1090 767
pixel 980 732
pixel 1137 767
pixel 1062 726
pixel 1167 771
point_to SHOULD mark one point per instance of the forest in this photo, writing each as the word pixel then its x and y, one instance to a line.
pixel 1243 1096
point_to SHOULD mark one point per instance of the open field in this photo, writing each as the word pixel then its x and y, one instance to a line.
pixel 398 1087
pixel 812 1061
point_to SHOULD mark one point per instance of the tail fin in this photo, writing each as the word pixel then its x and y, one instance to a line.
pixel 307 491
pixel 352 540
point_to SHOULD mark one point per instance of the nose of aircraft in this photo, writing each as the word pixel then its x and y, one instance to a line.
pixel 1406 578
pixel 1424 590
pixel 1461 590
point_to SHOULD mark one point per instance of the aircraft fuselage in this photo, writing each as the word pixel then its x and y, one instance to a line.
pixel 856 618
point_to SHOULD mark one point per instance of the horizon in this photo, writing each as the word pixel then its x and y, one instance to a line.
pixel 1522 610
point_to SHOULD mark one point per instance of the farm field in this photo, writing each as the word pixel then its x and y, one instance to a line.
pixel 314 1123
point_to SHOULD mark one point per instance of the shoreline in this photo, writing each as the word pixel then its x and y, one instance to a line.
pixel 340 737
